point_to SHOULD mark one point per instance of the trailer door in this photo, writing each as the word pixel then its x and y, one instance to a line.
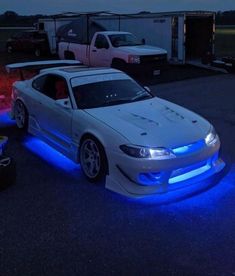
pixel 199 36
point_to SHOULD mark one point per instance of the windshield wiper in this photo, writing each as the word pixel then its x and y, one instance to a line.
pixel 141 97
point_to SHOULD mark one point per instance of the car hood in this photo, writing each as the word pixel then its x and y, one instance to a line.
pixel 143 50
pixel 154 122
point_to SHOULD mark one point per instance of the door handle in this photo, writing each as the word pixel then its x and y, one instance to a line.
pixel 94 51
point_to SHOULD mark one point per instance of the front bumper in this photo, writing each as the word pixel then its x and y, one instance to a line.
pixel 147 65
pixel 138 178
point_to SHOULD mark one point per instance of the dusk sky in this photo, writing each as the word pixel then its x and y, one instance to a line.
pixel 26 7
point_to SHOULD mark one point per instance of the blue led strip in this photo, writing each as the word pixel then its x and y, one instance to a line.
pixel 189 175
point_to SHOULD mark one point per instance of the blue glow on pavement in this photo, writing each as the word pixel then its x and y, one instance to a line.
pixel 5 119
pixel 50 155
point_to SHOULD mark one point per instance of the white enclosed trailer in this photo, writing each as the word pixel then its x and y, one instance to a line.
pixel 186 35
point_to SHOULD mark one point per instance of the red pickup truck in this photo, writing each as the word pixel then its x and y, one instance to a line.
pixel 28 41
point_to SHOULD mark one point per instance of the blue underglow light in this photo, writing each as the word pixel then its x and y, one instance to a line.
pixel 189 148
pixel 5 119
pixel 50 155
pixel 189 175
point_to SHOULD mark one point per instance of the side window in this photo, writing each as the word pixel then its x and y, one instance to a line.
pixel 38 83
pixel 53 86
pixel 101 42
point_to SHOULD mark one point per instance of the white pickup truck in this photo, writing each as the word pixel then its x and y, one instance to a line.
pixel 120 50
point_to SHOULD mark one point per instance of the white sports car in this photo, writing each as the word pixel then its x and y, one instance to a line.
pixel 116 129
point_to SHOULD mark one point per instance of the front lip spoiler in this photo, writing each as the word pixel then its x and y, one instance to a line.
pixel 165 188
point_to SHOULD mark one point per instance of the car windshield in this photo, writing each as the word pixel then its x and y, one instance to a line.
pixel 107 93
pixel 119 40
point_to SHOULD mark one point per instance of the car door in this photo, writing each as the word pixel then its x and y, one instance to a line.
pixel 53 110
pixel 100 52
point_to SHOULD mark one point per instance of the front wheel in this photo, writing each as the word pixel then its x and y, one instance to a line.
pixel 119 64
pixel 93 159
pixel 21 115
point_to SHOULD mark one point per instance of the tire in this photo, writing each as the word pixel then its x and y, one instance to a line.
pixel 69 55
pixel 7 172
pixel 93 159
pixel 119 64
pixel 21 115
pixel 9 49
pixel 37 52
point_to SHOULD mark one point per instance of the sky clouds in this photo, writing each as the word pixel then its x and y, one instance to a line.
pixel 26 7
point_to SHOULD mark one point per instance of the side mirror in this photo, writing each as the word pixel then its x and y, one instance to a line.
pixel 64 103
pixel 147 89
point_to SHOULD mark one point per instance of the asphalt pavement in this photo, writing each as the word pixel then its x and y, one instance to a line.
pixel 53 222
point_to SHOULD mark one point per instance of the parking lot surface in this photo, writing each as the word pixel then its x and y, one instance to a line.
pixel 53 222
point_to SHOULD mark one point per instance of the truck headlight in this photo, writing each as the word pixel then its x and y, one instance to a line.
pixel 211 137
pixel 133 59
pixel 146 152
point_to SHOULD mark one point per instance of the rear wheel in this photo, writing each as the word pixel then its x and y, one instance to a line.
pixel 21 115
pixel 93 159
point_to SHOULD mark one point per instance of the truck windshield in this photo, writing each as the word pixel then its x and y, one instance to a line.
pixel 119 40
pixel 107 93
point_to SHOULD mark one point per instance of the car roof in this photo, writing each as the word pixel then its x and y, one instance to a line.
pixel 80 70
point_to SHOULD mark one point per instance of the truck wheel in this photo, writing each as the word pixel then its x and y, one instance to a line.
pixel 69 55
pixel 119 64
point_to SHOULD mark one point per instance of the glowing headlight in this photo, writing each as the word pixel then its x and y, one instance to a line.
pixel 133 59
pixel 211 137
pixel 144 152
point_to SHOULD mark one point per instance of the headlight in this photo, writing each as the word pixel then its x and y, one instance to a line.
pixel 145 152
pixel 211 137
pixel 133 59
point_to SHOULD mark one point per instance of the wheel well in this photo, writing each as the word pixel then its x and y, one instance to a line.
pixel 89 135
pixel 69 55
pixel 118 61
